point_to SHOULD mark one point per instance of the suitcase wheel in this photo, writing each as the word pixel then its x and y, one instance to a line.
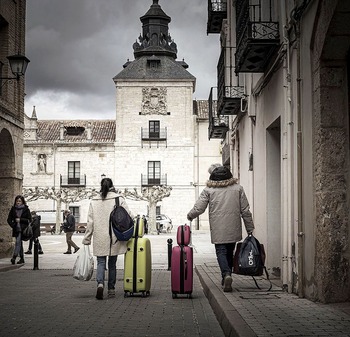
pixel 145 293
pixel 174 295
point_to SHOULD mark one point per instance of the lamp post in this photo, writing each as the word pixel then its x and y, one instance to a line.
pixel 18 64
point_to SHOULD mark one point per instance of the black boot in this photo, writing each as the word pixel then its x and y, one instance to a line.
pixel 21 261
pixel 13 260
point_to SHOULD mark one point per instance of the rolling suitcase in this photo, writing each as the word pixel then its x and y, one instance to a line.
pixel 182 270
pixel 138 263
pixel 183 235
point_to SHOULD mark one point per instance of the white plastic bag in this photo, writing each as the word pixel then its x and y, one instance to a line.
pixel 84 265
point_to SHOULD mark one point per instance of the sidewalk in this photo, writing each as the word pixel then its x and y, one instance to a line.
pixel 50 302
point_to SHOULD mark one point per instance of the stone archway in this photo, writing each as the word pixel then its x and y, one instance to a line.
pixel 331 43
pixel 8 184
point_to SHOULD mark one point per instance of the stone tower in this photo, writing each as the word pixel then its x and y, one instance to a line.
pixel 155 137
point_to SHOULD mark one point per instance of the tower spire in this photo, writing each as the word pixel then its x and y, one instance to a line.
pixel 155 38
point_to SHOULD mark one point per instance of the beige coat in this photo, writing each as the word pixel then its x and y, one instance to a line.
pixel 227 205
pixel 98 226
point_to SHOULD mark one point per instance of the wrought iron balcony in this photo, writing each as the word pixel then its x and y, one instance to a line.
pixel 218 126
pixel 229 96
pixel 147 181
pixel 217 12
pixel 257 35
pixel 150 136
pixel 66 181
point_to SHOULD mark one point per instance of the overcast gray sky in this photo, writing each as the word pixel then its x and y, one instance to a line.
pixel 76 47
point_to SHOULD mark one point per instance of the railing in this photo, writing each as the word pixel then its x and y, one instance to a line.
pixel 217 12
pixel 160 135
pixel 76 181
pixel 147 181
pixel 218 125
pixel 229 95
pixel 257 35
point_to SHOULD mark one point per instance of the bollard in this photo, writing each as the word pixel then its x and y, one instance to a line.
pixel 170 249
pixel 36 254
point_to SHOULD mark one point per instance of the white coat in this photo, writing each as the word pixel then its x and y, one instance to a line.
pixel 98 226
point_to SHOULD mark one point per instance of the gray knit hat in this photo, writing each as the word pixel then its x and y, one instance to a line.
pixel 212 167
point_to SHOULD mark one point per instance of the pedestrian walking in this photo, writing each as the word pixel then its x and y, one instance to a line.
pixel 145 224
pixel 69 229
pixel 36 218
pixel 227 205
pixel 105 243
pixel 19 219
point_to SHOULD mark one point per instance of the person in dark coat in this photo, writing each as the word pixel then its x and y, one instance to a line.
pixel 36 233
pixel 19 219
pixel 228 205
pixel 69 229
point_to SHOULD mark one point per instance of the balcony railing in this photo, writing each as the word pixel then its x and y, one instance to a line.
pixel 218 126
pixel 217 12
pixel 147 181
pixel 229 96
pixel 66 181
pixel 150 136
pixel 257 35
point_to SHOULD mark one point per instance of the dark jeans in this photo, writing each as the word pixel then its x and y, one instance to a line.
pixel 18 246
pixel 224 254
pixel 31 244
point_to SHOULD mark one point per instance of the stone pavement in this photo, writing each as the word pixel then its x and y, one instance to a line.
pixel 49 302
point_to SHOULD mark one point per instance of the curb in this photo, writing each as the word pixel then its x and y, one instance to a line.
pixel 228 317
pixel 9 267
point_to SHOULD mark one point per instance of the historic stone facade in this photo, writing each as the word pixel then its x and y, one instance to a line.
pixel 159 136
pixel 289 140
pixel 12 37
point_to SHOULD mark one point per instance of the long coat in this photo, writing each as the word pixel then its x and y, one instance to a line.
pixel 227 205
pixel 25 219
pixel 98 226
pixel 36 219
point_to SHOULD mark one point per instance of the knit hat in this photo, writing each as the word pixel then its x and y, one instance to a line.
pixel 212 167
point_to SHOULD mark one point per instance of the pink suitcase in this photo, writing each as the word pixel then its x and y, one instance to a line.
pixel 183 235
pixel 182 270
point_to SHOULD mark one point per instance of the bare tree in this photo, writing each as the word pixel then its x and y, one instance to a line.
pixel 153 195
pixel 60 195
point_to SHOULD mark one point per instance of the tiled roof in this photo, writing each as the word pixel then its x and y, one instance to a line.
pixel 201 108
pixel 101 131
pixel 168 68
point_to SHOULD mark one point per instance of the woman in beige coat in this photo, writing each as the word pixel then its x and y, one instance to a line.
pixel 103 244
pixel 227 205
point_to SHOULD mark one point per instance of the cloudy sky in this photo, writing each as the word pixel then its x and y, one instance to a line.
pixel 76 47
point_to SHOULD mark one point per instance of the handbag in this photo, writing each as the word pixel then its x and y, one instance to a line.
pixel 27 233
pixel 84 265
pixel 249 259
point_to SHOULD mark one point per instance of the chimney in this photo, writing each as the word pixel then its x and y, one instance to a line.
pixel 88 131
pixel 61 131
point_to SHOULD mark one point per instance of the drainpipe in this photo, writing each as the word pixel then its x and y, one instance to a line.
pixel 287 167
pixel 299 172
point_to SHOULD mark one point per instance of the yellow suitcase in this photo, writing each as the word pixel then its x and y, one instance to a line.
pixel 138 264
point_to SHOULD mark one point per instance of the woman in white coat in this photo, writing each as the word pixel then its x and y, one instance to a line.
pixel 103 244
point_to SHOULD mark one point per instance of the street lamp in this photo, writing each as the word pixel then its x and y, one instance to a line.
pixel 18 64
